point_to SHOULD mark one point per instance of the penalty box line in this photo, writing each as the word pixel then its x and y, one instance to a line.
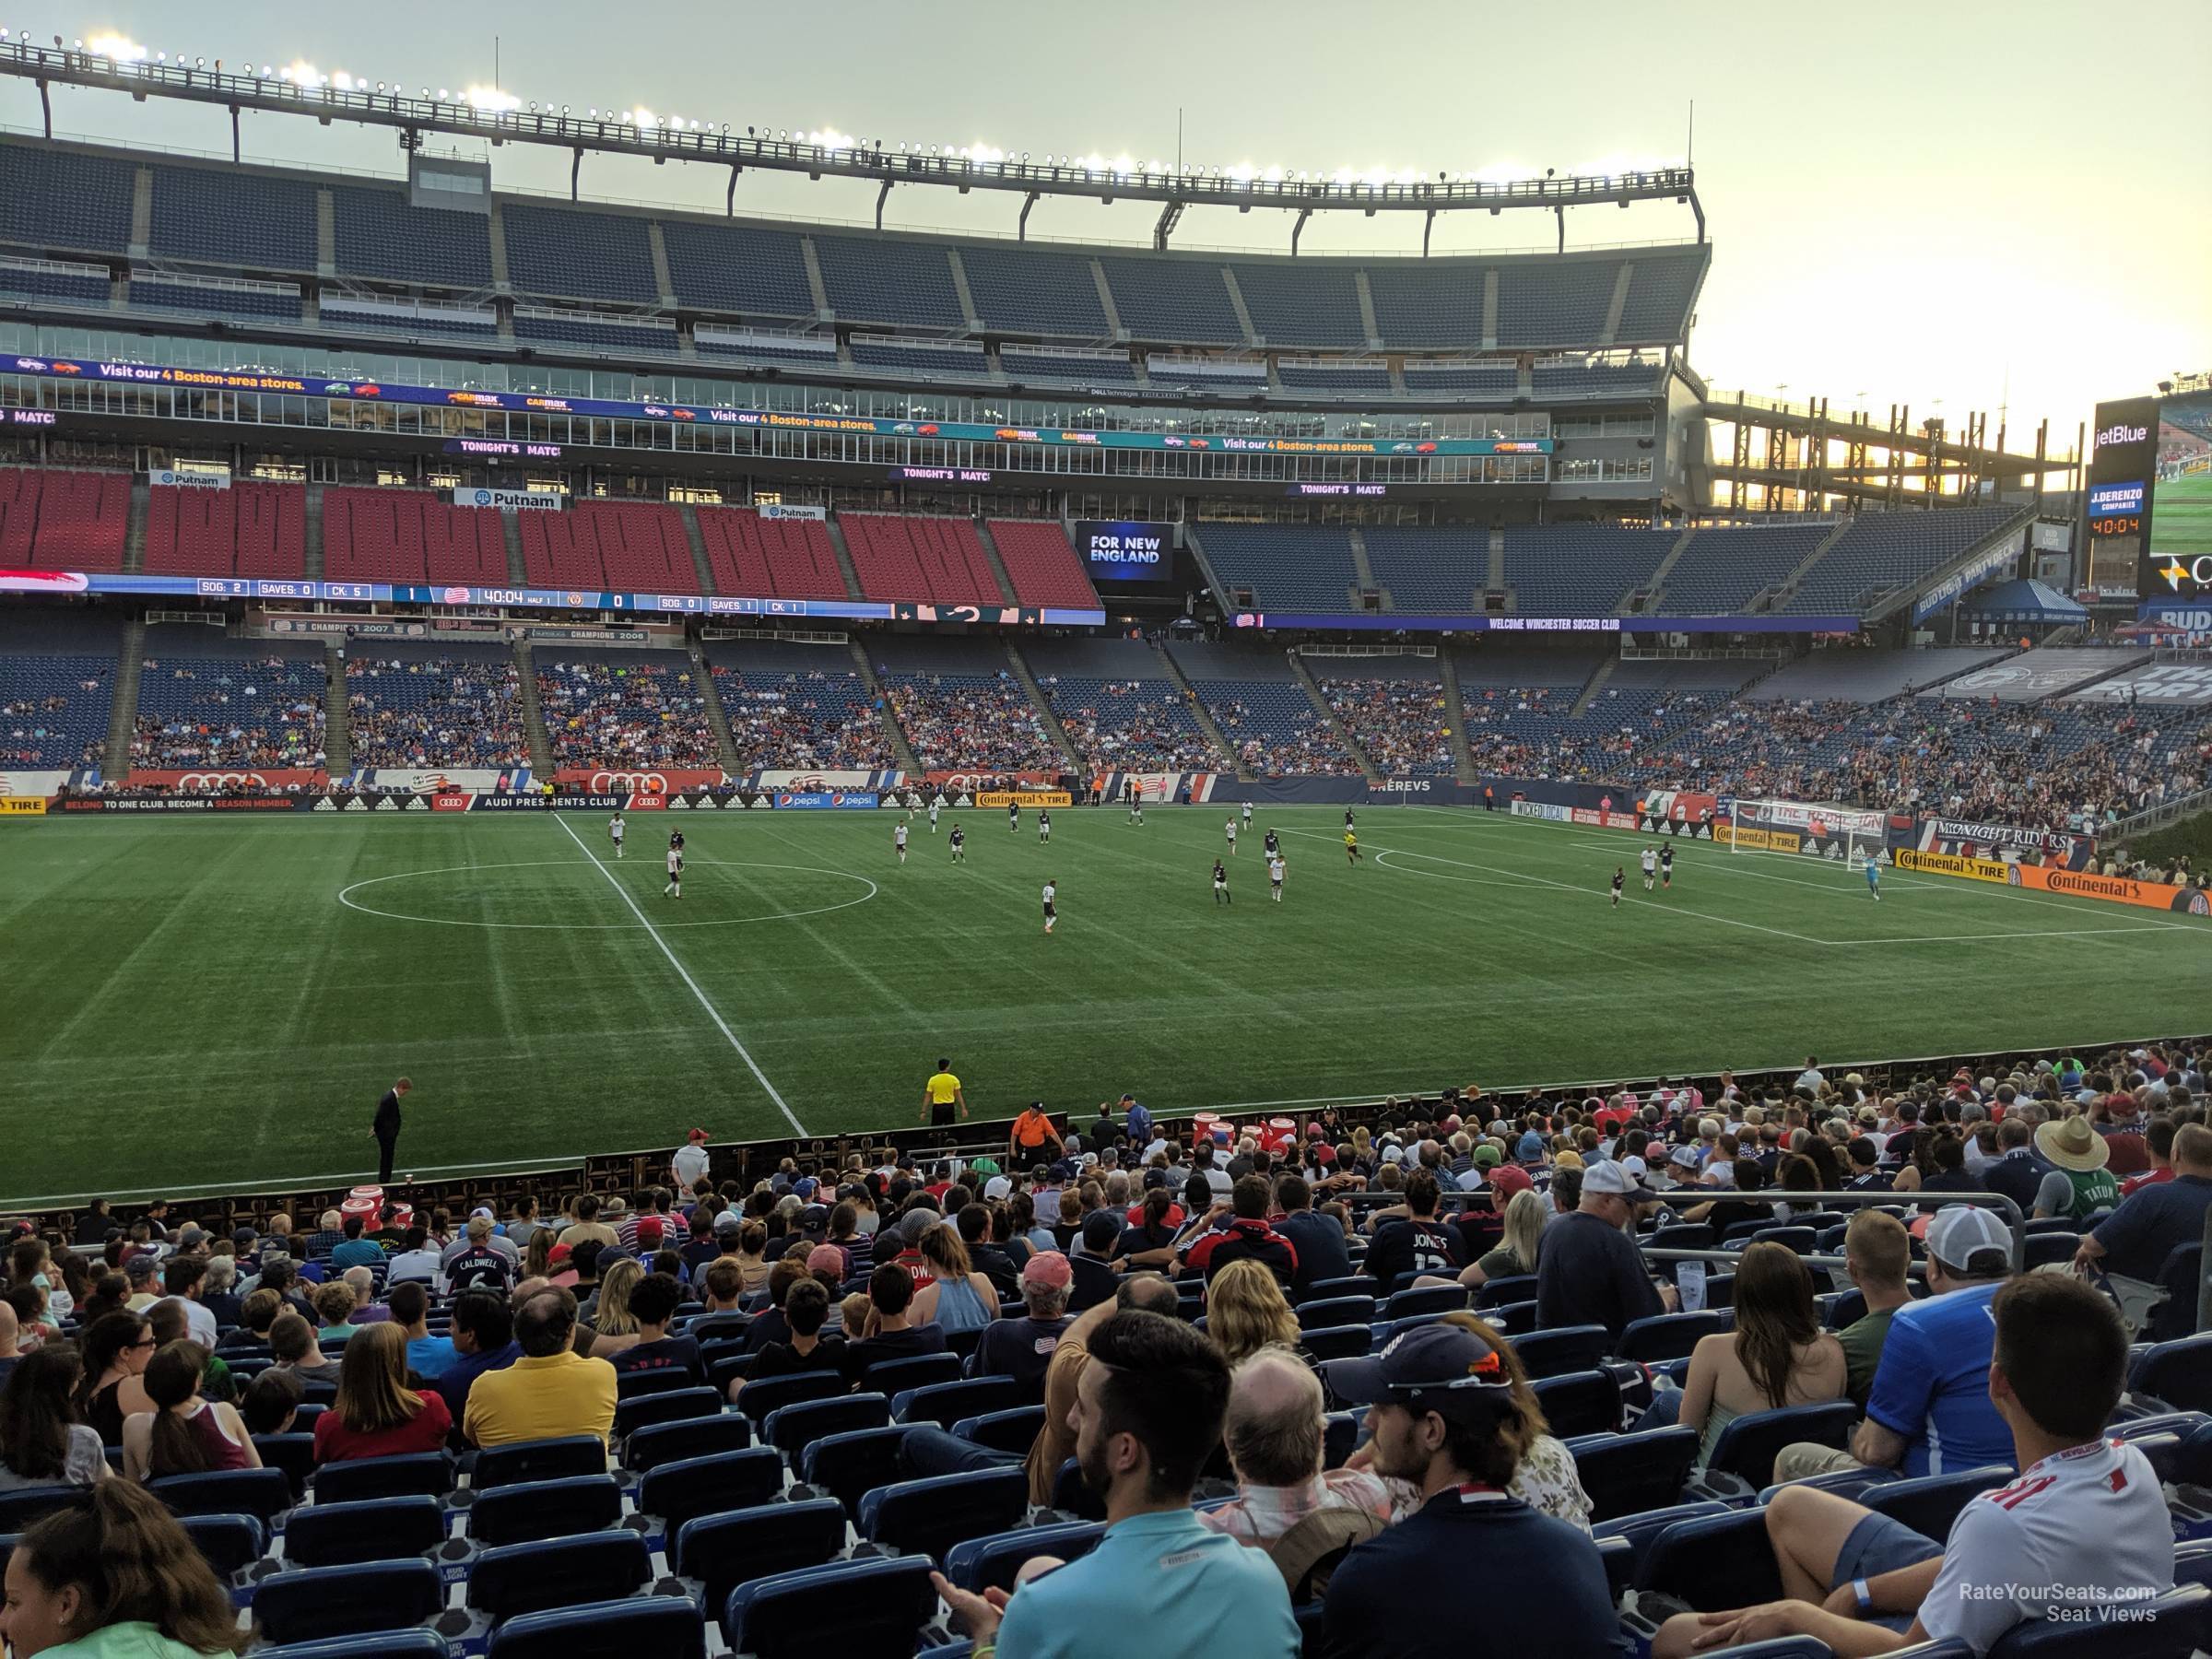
pixel 720 1025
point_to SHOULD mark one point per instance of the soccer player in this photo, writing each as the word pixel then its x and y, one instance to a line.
pixel 615 827
pixel 1620 878
pixel 933 800
pixel 1351 845
pixel 1275 875
pixel 899 840
pixel 1666 865
pixel 1231 828
pixel 1013 816
pixel 1044 828
pixel 1874 880
pixel 1052 891
pixel 1221 885
pixel 1650 867
pixel 675 890
pixel 1247 814
pixel 676 840
pixel 1271 844
pixel 959 844
pixel 1348 818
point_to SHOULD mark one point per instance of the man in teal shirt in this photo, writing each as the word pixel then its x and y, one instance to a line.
pixel 1147 1415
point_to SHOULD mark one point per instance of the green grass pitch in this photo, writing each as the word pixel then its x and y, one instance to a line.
pixel 208 1002
pixel 2181 519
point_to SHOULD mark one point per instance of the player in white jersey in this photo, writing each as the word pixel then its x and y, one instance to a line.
pixel 1275 876
pixel 932 813
pixel 1231 828
pixel 1650 867
pixel 675 890
pixel 1044 828
pixel 615 827
pixel 959 845
pixel 899 840
pixel 1052 891
pixel 1247 814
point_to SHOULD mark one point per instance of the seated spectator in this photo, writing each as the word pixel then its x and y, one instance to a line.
pixel 890 1332
pixel 428 1356
pixel 2083 1531
pixel 293 1344
pixel 376 1414
pixel 218 1291
pixel 335 1304
pixel 1021 1348
pixel 768 1324
pixel 270 1403
pixel 415 1260
pixel 353 1250
pixel 41 1441
pixel 1090 1257
pixel 983 1256
pixel 2130 1246
pixel 1147 1415
pixel 166 1320
pixel 1517 1255
pixel 955 1297
pixel 606 1312
pixel 483 1338
pixel 184 1434
pixel 551 1390
pixel 2080 1184
pixel 112 1389
pixel 1929 1412
pixel 1877 1252
pixel 115 1575
pixel 1319 1241
pixel 1246 1311
pixel 803 1347
pixel 1446 1414
pixel 1590 1271
pixel 10 1350
pixel 144 1273
pixel 649 1347
pixel 1247 1234
pixel 1147 1238
pixel 477 1260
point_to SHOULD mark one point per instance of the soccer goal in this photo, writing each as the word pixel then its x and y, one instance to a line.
pixel 1845 835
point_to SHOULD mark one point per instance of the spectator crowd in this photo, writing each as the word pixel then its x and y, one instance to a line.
pixel 435 712
pixel 800 722
pixel 971 721
pixel 637 712
pixel 1400 724
pixel 198 713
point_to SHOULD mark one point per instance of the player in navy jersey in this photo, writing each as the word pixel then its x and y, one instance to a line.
pixel 1620 877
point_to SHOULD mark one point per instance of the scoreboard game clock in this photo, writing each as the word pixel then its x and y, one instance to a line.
pixel 2122 466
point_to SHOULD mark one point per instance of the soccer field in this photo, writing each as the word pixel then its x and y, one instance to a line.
pixel 208 1003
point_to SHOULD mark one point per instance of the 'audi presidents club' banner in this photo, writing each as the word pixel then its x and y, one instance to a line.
pixel 644 780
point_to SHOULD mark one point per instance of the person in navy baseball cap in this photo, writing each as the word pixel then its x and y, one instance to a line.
pixel 1441 1368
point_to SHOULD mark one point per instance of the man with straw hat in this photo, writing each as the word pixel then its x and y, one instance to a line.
pixel 2078 1183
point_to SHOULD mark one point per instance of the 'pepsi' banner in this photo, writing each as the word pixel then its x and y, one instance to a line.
pixel 836 800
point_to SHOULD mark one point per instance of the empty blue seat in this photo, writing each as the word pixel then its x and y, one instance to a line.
pixel 545 1509
pixel 668 1627
pixel 724 1549
pixel 694 1437
pixel 266 1493
pixel 928 1517
pixel 773 1393
pixel 376 1529
pixel 1670 1336
pixel 378 1645
pixel 313 1603
pixel 1433 1299
pixel 1072 1495
pixel 945 1404
pixel 850 1465
pixel 1748 1447
pixel 1323 1311
pixel 2176 1375
pixel 2173 1624
pixel 792 1429
pixel 1358 1284
pixel 637 1384
pixel 1339 1437
pixel 1712 1562
pixel 982 1564
pixel 413 1474
pixel 1580 1403
pixel 677 1493
pixel 1337 1342
pixel 293 1453
pixel 1642 1528
pixel 18 1509
pixel 1512 1287
pixel 520 1579
pixel 894 1377
pixel 539 1460
pixel 1627 1473
pixel 1569 1348
pixel 671 1407
pixel 1013 1430
pixel 873 1609
pixel 1929 1503
pixel 228 1542
pixel 1516 1318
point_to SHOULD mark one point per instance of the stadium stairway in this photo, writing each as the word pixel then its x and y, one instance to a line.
pixel 718 719
pixel 697 541
pixel 1778 594
pixel 533 717
pixel 844 563
pixel 133 535
pixel 1043 704
pixel 1455 711
pixel 337 718
pixel 998 565
pixel 1648 592
pixel 1368 769
pixel 1202 716
pixel 907 761
pixel 122 709
pixel 518 572
pixel 310 532
pixel 1593 686
pixel 1367 579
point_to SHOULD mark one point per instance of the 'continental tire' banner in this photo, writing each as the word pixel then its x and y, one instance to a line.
pixel 1726 834
pixel 1952 864
pixel 2115 889
pixel 952 782
pixel 1025 797
pixel 219 777
pixel 22 806
pixel 647 780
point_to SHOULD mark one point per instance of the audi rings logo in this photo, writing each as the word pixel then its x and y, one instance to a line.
pixel 612 782
pixel 222 779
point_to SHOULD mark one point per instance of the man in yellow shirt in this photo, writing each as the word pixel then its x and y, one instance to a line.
pixel 550 1391
pixel 943 1102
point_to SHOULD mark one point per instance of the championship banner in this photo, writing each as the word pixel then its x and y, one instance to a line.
pixel 470 780
pixel 1952 864
pixel 1983 840
pixel 1027 797
pixel 22 806
pixel 815 782
pixel 222 778
pixel 2115 889
pixel 980 780
pixel 656 780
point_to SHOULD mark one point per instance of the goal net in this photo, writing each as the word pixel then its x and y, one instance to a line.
pixel 1844 835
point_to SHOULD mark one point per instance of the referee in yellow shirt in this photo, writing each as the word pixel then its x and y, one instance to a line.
pixel 943 1103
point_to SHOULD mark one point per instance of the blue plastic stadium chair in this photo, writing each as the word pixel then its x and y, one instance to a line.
pixel 1569 1348
pixel 2175 1376
pixel 1340 1437
pixel 410 1474
pixel 228 1542
pixel 545 1509
pixel 538 1460
pixel 1013 1430
pixel 638 1384
pixel 1802 1239
pixel 671 1407
pixel 792 1429
pixel 1516 1318
pixel 722 1550
pixel 1745 1450
pixel 1642 1528
pixel 375 1529
pixel 1579 1402
pixel 266 1493
pixel 1358 1284
pixel 1320 1312
pixel 677 1493
pixel 1630 1473
pixel 982 1564
pixel 850 1465
pixel 293 1453
pixel 694 1437
pixel 1511 1287
pixel 667 1626
pixel 946 1404
pixel 1929 1503
pixel 1712 1562
pixel 1666 1337
pixel 894 1377
pixel 1842 1308
pixel 379 1645
pixel 1337 1342
pixel 2173 1624
pixel 18 1509
pixel 928 1517
pixel 1433 1299
pixel 872 1609
pixel 520 1579
pixel 314 1602
pixel 773 1393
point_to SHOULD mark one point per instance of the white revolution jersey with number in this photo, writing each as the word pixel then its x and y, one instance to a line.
pixel 1232 829
pixel 1651 861
pixel 1050 890
pixel 1274 871
pixel 900 834
pixel 615 829
pixel 676 861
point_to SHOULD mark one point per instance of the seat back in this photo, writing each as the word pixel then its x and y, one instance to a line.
pixel 2172 1624
pixel 1630 1473
pixel 871 1609
pixel 982 1564
pixel 671 1407
pixel 1569 1348
pixel 893 1377
pixel 545 1509
pixel 1323 1311
pixel 667 1626
pixel 1511 1288
pixel 946 1404
pixel 1431 1298
pixel 1666 1337
pixel 1748 1447
pixel 659 1443
pixel 316 1601
pixel 2176 1316
pixel 293 1453
pixel 792 1429
pixel 725 1549
pixel 2179 1373
pixel 690 1486
pixel 1358 1284
pixel 1713 1562
pixel 772 1393
pixel 1013 1430
pixel 517 1579
pixel 849 1465
pixel 377 1644
pixel 266 1493
pixel 1337 1342
pixel 1929 1503
pixel 227 1542
pixel 928 1517
pixel 413 1474
pixel 375 1529
pixel 538 1460
pixel 667 1379
pixel 19 1508
pixel 1579 1402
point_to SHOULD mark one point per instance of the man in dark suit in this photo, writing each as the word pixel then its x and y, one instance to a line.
pixel 386 1129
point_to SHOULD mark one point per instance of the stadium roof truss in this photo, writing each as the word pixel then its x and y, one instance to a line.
pixel 1174 189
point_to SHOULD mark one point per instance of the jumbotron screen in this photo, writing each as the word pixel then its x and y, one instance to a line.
pixel 2151 497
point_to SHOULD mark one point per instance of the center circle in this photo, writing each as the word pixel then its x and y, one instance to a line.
pixel 346 897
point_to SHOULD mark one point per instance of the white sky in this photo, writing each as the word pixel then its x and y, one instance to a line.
pixel 1945 205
